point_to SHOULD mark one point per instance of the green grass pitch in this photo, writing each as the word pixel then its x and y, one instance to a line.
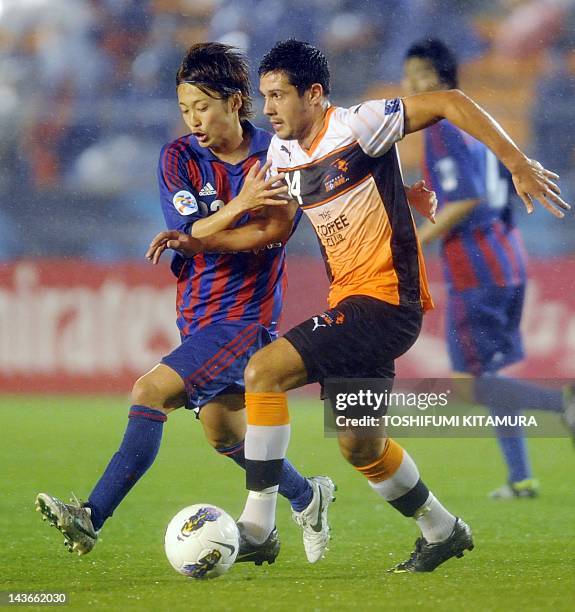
pixel 523 559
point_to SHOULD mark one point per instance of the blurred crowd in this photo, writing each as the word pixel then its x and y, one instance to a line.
pixel 87 97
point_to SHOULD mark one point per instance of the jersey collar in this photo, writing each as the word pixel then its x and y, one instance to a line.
pixel 319 136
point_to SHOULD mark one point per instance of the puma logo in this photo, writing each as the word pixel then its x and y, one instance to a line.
pixel 317 323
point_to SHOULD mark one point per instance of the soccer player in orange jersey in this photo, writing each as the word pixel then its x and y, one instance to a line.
pixel 342 168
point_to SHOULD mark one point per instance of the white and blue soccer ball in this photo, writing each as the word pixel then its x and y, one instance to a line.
pixel 202 541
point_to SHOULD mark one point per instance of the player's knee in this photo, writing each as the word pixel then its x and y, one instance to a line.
pixel 259 376
pixel 146 392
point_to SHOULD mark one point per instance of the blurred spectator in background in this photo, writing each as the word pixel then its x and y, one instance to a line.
pixel 534 25
pixel 545 29
pixel 448 20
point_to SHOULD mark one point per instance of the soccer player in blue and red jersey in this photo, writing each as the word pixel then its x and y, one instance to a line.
pixel 484 265
pixel 228 300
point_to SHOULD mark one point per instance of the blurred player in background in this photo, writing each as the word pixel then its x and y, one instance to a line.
pixel 228 304
pixel 484 266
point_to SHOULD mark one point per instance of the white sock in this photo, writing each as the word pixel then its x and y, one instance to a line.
pixel 436 523
pixel 266 442
pixel 258 517
pixel 404 479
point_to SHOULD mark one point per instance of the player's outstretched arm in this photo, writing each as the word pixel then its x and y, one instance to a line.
pixel 272 225
pixel 256 191
pixel 531 180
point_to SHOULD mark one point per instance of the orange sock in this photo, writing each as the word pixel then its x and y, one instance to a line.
pixel 267 439
pixel 386 466
pixel 395 477
pixel 267 409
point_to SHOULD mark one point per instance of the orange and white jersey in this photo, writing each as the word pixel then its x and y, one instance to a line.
pixel 349 184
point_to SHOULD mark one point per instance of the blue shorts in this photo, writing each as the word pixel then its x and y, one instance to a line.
pixel 482 328
pixel 212 360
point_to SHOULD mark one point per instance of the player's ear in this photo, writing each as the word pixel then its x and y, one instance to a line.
pixel 315 93
pixel 236 102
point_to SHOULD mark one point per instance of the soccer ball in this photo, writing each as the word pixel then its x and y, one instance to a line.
pixel 202 541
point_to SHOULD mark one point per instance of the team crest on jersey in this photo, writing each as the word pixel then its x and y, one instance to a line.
pixel 331 182
pixel 341 164
pixel 185 203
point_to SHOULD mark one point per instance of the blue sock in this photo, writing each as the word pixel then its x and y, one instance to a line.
pixel 511 394
pixel 136 454
pixel 513 445
pixel 292 485
pixel 511 440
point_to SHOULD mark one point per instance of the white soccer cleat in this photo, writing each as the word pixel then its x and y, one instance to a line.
pixel 72 520
pixel 525 489
pixel 313 519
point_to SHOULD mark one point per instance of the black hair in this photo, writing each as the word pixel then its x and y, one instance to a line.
pixel 219 71
pixel 303 64
pixel 441 57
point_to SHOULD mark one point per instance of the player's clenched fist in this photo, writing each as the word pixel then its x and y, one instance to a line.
pixel 186 245
pixel 422 199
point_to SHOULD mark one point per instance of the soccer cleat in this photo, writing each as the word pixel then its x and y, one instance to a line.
pixel 258 553
pixel 524 489
pixel 313 519
pixel 568 414
pixel 72 520
pixel 427 556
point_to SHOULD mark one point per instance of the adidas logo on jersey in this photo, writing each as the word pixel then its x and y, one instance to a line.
pixel 207 190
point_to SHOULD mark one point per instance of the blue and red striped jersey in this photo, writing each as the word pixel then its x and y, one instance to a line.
pixel 246 286
pixel 484 248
